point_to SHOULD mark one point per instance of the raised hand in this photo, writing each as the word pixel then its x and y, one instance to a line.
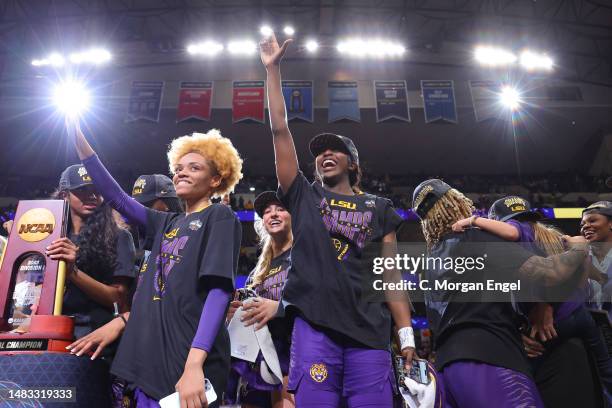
pixel 271 53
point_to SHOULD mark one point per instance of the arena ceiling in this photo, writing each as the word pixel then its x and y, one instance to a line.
pixel 143 33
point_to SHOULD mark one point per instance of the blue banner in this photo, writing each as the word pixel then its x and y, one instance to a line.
pixel 343 101
pixel 439 101
pixel 391 100
pixel 298 100
pixel 145 101
pixel 485 97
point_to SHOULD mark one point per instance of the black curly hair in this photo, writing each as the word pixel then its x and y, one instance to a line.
pixel 97 241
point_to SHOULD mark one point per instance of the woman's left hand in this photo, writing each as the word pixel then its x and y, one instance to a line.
pixel 65 250
pixel 259 310
pixel 408 353
pixel 191 389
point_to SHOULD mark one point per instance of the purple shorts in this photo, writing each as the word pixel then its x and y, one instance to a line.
pixel 320 365
pixel 470 384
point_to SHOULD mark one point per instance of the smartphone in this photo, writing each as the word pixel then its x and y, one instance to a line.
pixel 419 371
pixel 173 401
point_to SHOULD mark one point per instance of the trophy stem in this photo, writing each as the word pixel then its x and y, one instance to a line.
pixel 59 288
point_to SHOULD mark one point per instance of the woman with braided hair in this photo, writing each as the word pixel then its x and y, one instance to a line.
pixel 478 346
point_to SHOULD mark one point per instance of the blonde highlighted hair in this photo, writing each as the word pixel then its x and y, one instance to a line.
pixel 547 238
pixel 218 150
pixel 450 208
pixel 266 256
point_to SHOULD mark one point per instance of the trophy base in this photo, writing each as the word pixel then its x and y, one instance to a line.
pixel 49 334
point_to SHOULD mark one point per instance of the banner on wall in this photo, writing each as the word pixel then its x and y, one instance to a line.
pixel 248 101
pixel 145 101
pixel 298 99
pixel 343 101
pixel 439 101
pixel 195 101
pixel 485 98
pixel 391 100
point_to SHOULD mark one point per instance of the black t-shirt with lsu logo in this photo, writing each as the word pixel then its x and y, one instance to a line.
pixel 188 252
pixel 335 237
pixel 271 287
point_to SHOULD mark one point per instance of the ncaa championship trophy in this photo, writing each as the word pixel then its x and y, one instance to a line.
pixel 31 284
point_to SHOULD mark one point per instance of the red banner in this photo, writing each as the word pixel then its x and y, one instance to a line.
pixel 248 101
pixel 194 101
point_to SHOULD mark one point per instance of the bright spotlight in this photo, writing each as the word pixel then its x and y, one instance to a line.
pixel 288 30
pixel 494 57
pixel 312 46
pixel 71 98
pixel 535 61
pixel 93 56
pixel 56 60
pixel 510 98
pixel 370 48
pixel 242 47
pixel 266 30
pixel 209 48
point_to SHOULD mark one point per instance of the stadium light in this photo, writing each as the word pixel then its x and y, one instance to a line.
pixel 92 56
pixel 71 98
pixel 493 56
pixel 242 47
pixel 288 30
pixel 312 46
pixel 532 61
pixel 510 98
pixel 209 48
pixel 370 48
pixel 266 30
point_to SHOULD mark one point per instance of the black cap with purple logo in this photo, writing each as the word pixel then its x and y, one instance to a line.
pixel 149 187
pixel 427 194
pixel 263 200
pixel 74 177
pixel 512 206
pixel 324 141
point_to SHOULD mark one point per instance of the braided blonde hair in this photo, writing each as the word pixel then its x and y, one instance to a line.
pixel 450 208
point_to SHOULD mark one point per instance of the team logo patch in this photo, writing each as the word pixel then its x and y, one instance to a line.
pixel 370 203
pixel 195 225
pixel 318 372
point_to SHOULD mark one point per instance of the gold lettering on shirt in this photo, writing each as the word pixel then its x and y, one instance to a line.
pixel 172 234
pixel 343 204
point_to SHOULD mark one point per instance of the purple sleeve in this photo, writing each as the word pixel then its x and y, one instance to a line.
pixel 135 212
pixel 211 319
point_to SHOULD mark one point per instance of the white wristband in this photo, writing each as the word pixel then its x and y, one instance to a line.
pixel 406 336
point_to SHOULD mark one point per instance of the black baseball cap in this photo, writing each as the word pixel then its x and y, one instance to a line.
pixel 74 177
pixel 510 207
pixel 263 200
pixel 427 194
pixel 600 207
pixel 149 187
pixel 324 141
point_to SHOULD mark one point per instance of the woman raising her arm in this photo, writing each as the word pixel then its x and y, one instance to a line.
pixel 176 336
pixel 340 340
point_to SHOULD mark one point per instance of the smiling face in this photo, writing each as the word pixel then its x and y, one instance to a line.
pixel 276 219
pixel 596 227
pixel 83 201
pixel 332 166
pixel 195 177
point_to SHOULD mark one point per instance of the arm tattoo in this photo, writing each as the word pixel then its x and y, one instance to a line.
pixel 554 269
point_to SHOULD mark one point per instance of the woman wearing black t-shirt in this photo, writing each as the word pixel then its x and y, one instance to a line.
pixel 267 281
pixel 341 335
pixel 479 353
pixel 175 334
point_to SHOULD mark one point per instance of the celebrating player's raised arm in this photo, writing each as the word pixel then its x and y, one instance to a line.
pixel 284 149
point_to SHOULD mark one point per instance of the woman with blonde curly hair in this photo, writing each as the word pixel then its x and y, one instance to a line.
pixel 175 334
